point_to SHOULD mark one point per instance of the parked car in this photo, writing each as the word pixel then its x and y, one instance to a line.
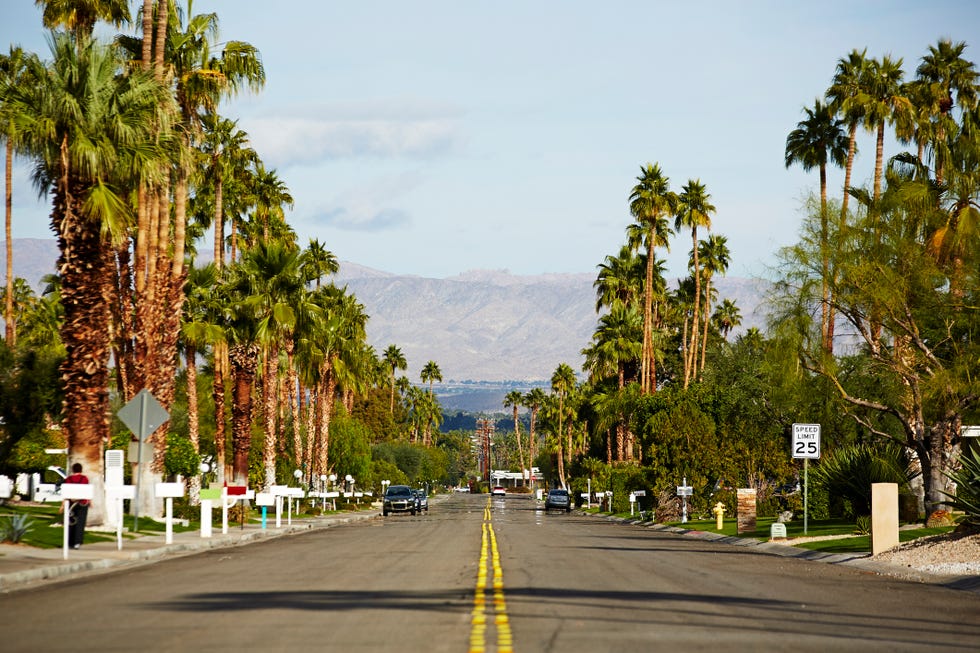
pixel 399 498
pixel 558 499
pixel 462 489
pixel 423 500
pixel 498 491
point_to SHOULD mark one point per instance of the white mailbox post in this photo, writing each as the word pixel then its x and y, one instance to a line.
pixel 168 491
pixel 73 492
pixel 114 495
pixel 279 491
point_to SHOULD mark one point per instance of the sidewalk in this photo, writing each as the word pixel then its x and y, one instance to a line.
pixel 26 566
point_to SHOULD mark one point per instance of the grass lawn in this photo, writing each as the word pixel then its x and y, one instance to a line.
pixel 47 532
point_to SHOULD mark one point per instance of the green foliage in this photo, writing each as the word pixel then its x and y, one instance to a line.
pixel 967 479
pixel 350 449
pixel 180 457
pixel 849 471
pixel 862 525
pixel 15 527
pixel 30 399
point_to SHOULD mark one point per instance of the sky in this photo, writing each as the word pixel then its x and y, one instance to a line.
pixel 434 138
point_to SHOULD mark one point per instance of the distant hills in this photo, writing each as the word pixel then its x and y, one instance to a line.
pixel 486 329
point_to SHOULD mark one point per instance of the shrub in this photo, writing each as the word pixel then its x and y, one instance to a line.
pixel 967 497
pixel 848 472
pixel 15 527
pixel 863 525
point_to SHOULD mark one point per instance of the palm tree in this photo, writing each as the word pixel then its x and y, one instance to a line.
pixel 534 399
pixel 430 372
pixel 318 262
pixel 197 332
pixel 620 279
pixel 12 69
pixel 562 384
pixel 91 130
pixel 394 360
pixel 817 141
pixel 727 317
pixel 694 210
pixel 883 103
pixel 80 16
pixel 844 95
pixel 715 258
pixel 953 81
pixel 651 201
pixel 515 399
pixel 277 298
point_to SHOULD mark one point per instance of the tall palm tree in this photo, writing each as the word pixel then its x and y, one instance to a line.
pixel 883 103
pixel 394 360
pixel 533 399
pixel 651 201
pixel 197 331
pixel 715 258
pixel 562 384
pixel 694 209
pixel 430 373
pixel 817 141
pixel 318 262
pixel 277 298
pixel 844 94
pixel 12 72
pixel 91 129
pixel 515 399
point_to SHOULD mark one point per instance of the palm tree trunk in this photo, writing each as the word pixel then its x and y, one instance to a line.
pixel 826 312
pixel 646 355
pixel 326 413
pixel 692 359
pixel 879 160
pixel 10 334
pixel 219 225
pixel 244 360
pixel 269 410
pixel 193 425
pixel 147 33
pixel 707 318
pixel 218 393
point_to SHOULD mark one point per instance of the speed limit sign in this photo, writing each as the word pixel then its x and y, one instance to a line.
pixel 806 441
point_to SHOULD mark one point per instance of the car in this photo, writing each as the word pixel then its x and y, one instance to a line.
pixel 462 489
pixel 498 491
pixel 559 499
pixel 423 500
pixel 399 498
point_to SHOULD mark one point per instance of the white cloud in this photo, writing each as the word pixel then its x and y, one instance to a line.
pixel 343 131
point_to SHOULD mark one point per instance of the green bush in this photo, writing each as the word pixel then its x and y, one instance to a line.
pixel 848 472
pixel 967 479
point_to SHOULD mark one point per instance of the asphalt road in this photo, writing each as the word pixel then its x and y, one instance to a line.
pixel 494 575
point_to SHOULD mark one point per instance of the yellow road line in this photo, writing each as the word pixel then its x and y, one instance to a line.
pixel 489 561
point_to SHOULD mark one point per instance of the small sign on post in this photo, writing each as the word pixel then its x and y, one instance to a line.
pixel 684 491
pixel 806 445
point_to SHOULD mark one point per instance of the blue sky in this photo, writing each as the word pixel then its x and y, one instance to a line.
pixel 432 138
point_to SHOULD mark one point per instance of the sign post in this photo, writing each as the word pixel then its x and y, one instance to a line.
pixel 142 415
pixel 806 445
pixel 684 491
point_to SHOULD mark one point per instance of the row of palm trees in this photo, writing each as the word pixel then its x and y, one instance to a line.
pixel 647 335
pixel 127 141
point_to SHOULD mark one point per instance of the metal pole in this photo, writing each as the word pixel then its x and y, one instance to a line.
pixel 806 488
pixel 139 461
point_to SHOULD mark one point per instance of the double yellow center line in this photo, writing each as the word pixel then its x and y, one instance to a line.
pixel 489 561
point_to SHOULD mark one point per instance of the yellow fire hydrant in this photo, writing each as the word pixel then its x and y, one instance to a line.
pixel 719 511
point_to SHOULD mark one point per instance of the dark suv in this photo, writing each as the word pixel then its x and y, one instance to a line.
pixel 399 498
pixel 558 499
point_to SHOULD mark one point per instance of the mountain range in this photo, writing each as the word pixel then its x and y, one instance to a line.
pixel 481 327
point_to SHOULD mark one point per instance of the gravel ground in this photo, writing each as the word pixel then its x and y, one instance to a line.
pixel 951 554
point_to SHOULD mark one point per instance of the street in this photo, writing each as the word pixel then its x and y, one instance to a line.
pixel 495 575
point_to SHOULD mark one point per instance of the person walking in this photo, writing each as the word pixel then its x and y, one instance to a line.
pixel 77 510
